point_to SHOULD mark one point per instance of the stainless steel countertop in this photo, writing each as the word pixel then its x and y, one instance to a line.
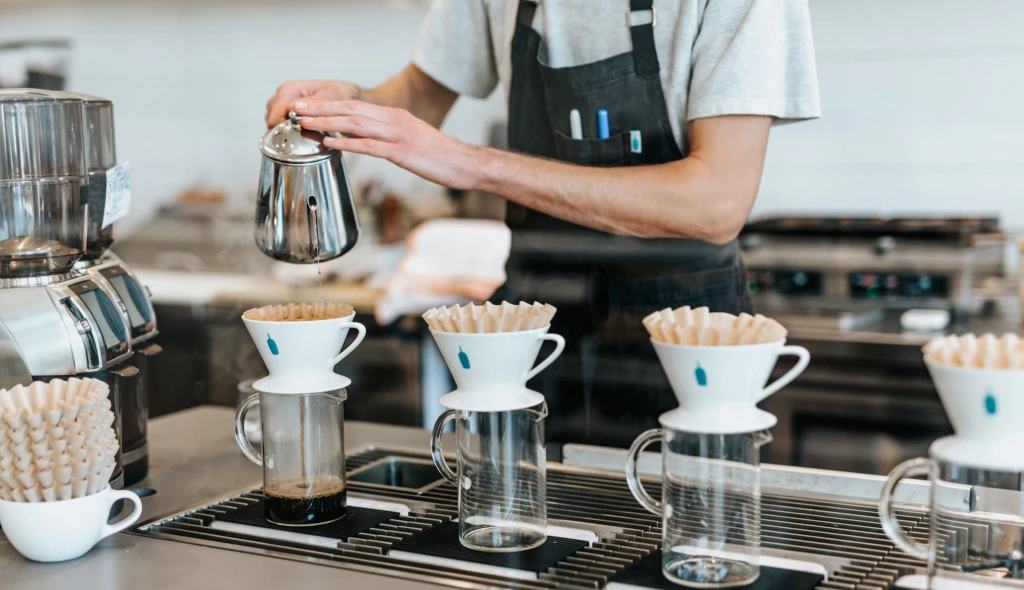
pixel 193 459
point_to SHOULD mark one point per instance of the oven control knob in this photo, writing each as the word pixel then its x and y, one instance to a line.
pixel 884 245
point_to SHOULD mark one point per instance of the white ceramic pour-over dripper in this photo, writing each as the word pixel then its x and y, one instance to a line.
pixel 301 355
pixel 491 370
pixel 986 408
pixel 718 387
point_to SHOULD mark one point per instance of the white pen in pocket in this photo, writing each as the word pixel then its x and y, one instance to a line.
pixel 636 143
pixel 575 124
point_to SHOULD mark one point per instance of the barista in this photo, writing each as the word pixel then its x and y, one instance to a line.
pixel 637 134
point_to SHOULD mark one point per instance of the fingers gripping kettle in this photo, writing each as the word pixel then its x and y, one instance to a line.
pixel 305 211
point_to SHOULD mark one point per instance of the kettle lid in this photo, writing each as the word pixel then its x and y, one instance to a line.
pixel 288 142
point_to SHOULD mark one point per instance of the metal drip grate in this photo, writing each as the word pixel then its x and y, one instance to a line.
pixel 845 537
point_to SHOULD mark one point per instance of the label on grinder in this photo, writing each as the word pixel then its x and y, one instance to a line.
pixel 119 194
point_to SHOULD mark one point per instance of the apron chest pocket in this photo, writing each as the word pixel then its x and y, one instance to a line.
pixel 613 151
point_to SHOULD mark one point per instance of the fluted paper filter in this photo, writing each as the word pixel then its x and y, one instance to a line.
pixel 57 440
pixel 700 327
pixel 299 312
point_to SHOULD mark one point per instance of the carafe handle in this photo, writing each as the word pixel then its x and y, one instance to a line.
pixel 559 347
pixel 250 451
pixel 359 338
pixel 633 478
pixel 435 447
pixel 909 468
pixel 804 358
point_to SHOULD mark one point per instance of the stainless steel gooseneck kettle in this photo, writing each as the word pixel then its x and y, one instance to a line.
pixel 305 211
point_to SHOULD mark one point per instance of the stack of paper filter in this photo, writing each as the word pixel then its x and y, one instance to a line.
pixel 970 351
pixel 299 312
pixel 490 318
pixel 56 440
pixel 700 327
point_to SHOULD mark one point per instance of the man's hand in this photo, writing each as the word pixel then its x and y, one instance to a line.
pixel 395 135
pixel 287 93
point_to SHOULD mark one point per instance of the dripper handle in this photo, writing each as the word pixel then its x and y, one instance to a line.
pixel 633 478
pixel 909 468
pixel 250 451
pixel 435 447
pixel 804 358
pixel 359 338
pixel 559 347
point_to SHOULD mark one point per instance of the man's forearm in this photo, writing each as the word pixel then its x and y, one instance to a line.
pixel 707 195
pixel 415 92
pixel 664 201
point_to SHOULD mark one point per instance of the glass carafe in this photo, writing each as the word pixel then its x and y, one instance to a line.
pixel 501 477
pixel 302 454
pixel 710 507
pixel 976 529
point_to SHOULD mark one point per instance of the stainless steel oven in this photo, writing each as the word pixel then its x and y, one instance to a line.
pixel 860 406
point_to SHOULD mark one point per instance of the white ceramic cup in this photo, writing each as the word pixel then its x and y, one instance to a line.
pixel 491 370
pixel 59 531
pixel 301 355
pixel 718 387
pixel 982 404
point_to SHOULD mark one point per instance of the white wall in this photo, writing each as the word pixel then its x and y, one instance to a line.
pixel 922 112
pixel 190 79
pixel 922 98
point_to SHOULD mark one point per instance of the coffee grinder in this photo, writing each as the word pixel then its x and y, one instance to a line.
pixel 56 320
pixel 118 280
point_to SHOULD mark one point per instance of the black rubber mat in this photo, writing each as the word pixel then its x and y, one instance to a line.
pixel 357 520
pixel 647 573
pixel 443 541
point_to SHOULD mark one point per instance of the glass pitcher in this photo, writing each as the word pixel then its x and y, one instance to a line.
pixel 303 455
pixel 501 477
pixel 711 505
pixel 976 528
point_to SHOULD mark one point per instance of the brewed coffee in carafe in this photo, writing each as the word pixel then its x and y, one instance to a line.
pixel 301 409
pixel 303 455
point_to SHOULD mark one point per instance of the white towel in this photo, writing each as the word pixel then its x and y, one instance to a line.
pixel 447 261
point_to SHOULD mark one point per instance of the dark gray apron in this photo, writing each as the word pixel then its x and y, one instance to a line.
pixel 608 386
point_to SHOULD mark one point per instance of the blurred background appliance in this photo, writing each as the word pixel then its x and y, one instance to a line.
pixel 832 266
pixel 841 286
pixel 65 309
pixel 36 63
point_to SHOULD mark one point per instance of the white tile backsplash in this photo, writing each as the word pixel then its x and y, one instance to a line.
pixel 921 98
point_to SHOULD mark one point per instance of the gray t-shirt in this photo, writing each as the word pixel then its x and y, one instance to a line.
pixel 718 57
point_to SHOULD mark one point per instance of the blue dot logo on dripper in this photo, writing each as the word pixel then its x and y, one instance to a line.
pixel 990 404
pixel 463 359
pixel 272 346
pixel 701 375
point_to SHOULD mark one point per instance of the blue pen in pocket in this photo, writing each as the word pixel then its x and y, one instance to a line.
pixel 603 131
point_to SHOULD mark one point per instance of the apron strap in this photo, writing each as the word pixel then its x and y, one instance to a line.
pixel 524 22
pixel 645 54
pixel 526 9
